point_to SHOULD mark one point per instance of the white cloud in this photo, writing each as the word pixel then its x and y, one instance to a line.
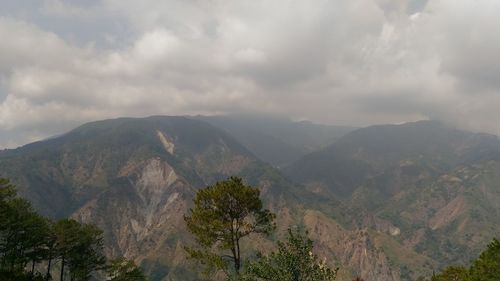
pixel 354 62
pixel 155 45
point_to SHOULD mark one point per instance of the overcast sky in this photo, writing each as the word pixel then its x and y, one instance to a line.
pixel 349 62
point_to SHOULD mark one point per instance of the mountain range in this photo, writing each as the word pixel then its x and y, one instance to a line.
pixel 388 202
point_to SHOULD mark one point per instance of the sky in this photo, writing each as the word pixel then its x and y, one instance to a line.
pixel 345 62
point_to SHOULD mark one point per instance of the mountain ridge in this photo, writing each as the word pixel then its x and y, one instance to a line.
pixel 142 173
pixel 435 186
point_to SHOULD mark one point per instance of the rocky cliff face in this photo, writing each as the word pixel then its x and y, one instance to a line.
pixel 137 214
pixel 352 248
pixel 364 251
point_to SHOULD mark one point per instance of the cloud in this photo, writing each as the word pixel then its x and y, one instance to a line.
pixel 355 62
pixel 470 52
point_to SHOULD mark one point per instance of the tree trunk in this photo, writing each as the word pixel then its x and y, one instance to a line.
pixel 33 267
pixel 234 248
pixel 62 270
pixel 235 260
pixel 49 264
pixel 237 266
pixel 238 255
pixel 11 264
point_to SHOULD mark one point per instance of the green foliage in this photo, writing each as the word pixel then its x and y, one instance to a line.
pixel 80 247
pixel 223 214
pixel 122 269
pixel 487 266
pixel 294 261
pixel 7 190
pixel 23 232
pixel 21 276
pixel 28 239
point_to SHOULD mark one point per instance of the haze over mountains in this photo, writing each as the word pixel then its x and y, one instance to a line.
pixel 277 141
pixel 389 202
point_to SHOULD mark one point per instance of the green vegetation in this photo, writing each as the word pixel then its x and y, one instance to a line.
pixel 230 210
pixel 24 236
pixel 452 273
pixel 485 268
pixel 79 247
pixel 294 260
pixel 30 245
pixel 223 214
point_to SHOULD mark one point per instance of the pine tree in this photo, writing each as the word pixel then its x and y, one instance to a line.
pixel 27 239
pixel 80 249
pixel 223 214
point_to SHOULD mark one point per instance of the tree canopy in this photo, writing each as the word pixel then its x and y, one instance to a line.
pixel 485 268
pixel 30 244
pixel 293 261
pixel 222 215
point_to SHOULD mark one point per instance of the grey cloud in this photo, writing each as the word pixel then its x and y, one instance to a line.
pixel 470 51
pixel 355 62
pixel 411 104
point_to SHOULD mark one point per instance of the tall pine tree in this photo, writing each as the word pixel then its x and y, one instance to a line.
pixel 224 214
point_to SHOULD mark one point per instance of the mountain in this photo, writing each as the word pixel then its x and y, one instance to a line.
pixel 435 189
pixel 135 179
pixel 385 203
pixel 278 141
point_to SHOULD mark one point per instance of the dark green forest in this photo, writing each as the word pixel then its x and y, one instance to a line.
pixel 34 247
